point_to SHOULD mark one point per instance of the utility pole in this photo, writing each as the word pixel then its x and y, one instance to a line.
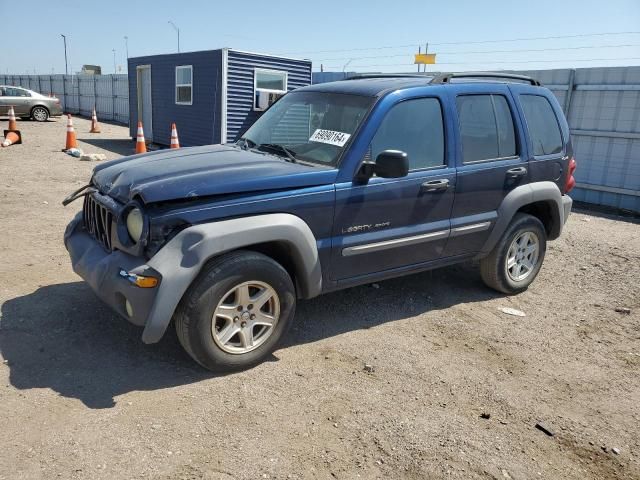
pixel 126 45
pixel 178 32
pixel 66 65
pixel 426 50
pixel 114 61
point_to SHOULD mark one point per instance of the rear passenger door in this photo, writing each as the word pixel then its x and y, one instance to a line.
pixel 491 161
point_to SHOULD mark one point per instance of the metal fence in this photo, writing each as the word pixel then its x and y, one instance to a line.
pixel 80 93
pixel 602 106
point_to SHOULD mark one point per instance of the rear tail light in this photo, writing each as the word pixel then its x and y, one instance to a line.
pixel 571 181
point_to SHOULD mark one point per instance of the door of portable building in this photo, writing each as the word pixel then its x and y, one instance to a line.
pixel 145 109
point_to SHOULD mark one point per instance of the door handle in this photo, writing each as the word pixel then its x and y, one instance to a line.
pixel 517 172
pixel 435 185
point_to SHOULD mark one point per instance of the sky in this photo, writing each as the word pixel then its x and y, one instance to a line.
pixel 363 36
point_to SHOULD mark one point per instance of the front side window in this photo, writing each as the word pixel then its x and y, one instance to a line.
pixel 313 126
pixel 542 124
pixel 184 85
pixel 416 128
pixel 486 127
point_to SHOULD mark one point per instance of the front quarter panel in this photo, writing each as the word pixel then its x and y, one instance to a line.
pixel 180 261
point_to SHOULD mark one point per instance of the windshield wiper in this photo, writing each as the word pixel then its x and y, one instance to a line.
pixel 245 144
pixel 279 148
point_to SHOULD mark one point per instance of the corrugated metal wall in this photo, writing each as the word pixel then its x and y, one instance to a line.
pixel 602 106
pixel 240 74
pixel 323 77
pixel 79 93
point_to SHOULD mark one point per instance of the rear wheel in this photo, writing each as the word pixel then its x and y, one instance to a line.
pixel 40 114
pixel 517 258
pixel 236 311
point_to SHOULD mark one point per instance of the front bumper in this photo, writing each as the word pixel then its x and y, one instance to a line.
pixel 101 270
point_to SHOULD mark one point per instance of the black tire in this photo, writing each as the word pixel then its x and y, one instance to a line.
pixel 494 268
pixel 194 316
pixel 40 113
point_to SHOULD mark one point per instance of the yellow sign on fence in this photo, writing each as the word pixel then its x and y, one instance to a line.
pixel 425 58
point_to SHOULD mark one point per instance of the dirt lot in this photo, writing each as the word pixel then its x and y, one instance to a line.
pixel 82 397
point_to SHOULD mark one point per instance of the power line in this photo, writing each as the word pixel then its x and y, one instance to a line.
pixel 493 63
pixel 468 52
pixel 476 42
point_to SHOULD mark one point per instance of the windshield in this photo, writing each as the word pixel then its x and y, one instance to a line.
pixel 311 126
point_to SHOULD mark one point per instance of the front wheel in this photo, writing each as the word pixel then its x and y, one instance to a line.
pixel 236 311
pixel 515 261
pixel 40 114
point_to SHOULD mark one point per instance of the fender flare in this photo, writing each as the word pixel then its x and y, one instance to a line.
pixel 182 258
pixel 518 198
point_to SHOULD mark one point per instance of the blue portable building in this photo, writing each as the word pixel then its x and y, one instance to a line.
pixel 213 96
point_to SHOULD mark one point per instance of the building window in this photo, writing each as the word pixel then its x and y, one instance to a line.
pixel 268 86
pixel 184 85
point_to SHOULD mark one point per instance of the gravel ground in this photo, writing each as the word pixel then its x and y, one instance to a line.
pixel 82 397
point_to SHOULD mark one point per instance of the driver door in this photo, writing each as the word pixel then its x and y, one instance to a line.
pixel 391 224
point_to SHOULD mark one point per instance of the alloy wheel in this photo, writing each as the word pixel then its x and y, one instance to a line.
pixel 522 256
pixel 245 317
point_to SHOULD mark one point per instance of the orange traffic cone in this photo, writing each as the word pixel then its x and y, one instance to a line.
pixel 11 138
pixel 95 128
pixel 13 125
pixel 174 137
pixel 71 134
pixel 141 147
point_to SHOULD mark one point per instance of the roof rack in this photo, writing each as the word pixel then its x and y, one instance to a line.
pixel 360 76
pixel 446 77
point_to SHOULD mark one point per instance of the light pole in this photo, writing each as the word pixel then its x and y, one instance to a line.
pixel 178 32
pixel 114 61
pixel 126 45
pixel 66 67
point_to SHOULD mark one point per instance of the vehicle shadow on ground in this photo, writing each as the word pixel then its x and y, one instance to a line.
pixel 371 305
pixel 119 146
pixel 63 338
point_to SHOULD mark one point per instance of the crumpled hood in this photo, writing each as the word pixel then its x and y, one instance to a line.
pixel 202 171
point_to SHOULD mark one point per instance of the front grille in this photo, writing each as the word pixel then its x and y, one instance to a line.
pixel 98 221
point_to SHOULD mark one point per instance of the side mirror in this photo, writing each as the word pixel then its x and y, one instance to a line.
pixel 392 164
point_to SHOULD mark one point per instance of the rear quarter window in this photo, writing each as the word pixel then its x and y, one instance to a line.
pixel 542 124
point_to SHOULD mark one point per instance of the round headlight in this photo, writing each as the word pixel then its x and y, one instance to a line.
pixel 135 222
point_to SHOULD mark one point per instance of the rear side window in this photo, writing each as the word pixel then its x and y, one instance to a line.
pixel 486 127
pixel 542 124
pixel 414 127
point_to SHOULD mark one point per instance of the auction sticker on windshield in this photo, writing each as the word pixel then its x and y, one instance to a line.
pixel 330 136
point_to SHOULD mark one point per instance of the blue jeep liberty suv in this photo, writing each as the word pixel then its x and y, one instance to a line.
pixel 336 185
